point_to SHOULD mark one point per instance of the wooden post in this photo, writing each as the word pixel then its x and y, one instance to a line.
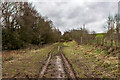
pixel 81 39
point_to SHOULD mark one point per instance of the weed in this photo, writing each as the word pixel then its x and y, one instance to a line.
pixel 8 58
pixel 105 52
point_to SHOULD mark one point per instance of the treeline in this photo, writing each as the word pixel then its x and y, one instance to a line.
pixel 22 25
pixel 112 36
pixel 110 40
pixel 81 36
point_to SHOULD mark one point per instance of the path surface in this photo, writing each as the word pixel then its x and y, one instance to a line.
pixel 55 68
pixel 58 66
pixel 60 69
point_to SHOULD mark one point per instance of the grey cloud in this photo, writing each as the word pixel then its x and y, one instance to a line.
pixel 68 15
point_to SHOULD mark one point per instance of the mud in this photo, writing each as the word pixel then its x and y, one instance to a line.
pixel 58 66
pixel 55 68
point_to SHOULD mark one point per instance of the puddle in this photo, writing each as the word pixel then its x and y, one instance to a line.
pixel 59 67
pixel 55 68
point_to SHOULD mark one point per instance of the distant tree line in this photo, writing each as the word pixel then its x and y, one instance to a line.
pixel 107 41
pixel 79 35
pixel 22 25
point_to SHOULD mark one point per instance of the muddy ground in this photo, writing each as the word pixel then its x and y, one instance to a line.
pixel 55 68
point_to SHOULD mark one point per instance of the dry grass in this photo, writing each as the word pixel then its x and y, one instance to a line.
pixel 22 63
pixel 87 62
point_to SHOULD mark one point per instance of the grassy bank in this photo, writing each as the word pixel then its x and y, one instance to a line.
pixel 23 63
pixel 89 62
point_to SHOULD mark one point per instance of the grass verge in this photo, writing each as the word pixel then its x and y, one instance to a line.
pixel 24 63
pixel 89 62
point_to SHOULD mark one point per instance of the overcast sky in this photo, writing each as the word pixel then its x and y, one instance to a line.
pixel 72 14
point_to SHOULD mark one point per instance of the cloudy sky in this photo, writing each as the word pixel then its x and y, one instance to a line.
pixel 73 14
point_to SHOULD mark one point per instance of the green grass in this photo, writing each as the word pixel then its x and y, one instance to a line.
pixel 30 63
pixel 86 60
pixel 8 58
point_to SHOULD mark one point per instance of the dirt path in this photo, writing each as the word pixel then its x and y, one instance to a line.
pixel 55 68
pixel 58 67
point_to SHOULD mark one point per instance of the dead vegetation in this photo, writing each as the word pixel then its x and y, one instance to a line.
pixel 89 62
pixel 27 63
